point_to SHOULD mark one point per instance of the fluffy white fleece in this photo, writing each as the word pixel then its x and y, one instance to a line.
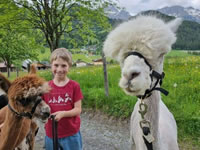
pixel 147 35
pixel 153 38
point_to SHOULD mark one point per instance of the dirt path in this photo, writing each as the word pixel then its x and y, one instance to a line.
pixel 98 133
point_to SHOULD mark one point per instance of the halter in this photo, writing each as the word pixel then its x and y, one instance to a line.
pixel 145 124
pixel 26 114
pixel 154 74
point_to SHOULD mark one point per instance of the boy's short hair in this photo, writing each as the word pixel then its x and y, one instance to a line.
pixel 61 53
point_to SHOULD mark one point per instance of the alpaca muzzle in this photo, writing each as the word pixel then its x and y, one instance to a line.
pixel 26 114
pixel 154 74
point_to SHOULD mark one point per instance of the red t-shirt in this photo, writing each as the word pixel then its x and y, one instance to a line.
pixel 63 98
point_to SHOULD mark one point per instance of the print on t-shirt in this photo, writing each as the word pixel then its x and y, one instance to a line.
pixel 56 98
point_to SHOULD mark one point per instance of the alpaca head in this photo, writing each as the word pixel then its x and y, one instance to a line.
pixel 25 95
pixel 149 36
pixel 135 76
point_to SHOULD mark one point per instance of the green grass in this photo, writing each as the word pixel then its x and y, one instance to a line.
pixel 177 53
pixel 87 58
pixel 183 101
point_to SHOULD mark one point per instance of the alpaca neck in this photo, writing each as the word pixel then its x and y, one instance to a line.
pixel 14 131
pixel 153 103
pixel 152 116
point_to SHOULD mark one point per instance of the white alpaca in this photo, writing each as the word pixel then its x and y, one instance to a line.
pixel 152 38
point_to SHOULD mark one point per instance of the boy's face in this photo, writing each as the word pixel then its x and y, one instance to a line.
pixel 59 68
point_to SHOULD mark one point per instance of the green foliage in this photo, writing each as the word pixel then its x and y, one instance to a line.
pixel 194 52
pixel 188 36
pixel 44 55
pixel 72 21
pixel 178 53
pixel 16 42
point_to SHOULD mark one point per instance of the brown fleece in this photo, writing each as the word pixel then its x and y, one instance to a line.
pixel 3 112
pixel 33 69
pixel 4 83
pixel 15 128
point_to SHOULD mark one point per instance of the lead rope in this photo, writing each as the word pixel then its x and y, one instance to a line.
pixel 145 126
pixel 56 145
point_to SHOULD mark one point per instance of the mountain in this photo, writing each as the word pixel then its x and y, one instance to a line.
pixel 156 13
pixel 117 13
pixel 188 13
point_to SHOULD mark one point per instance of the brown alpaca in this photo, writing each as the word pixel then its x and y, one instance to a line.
pixel 24 95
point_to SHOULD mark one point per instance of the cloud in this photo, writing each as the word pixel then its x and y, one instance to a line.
pixel 135 6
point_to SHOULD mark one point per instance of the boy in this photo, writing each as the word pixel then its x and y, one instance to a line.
pixel 65 102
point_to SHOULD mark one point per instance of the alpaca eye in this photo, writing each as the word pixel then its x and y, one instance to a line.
pixel 135 74
pixel 24 101
pixel 161 55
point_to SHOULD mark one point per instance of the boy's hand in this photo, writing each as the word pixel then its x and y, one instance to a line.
pixel 58 115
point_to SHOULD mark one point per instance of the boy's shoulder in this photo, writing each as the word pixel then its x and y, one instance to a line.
pixel 73 82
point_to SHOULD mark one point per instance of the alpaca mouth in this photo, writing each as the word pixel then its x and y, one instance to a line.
pixel 43 120
pixel 128 89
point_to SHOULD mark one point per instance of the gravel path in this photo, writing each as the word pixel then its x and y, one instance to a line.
pixel 98 133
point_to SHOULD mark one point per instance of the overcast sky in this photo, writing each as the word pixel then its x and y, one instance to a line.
pixel 135 6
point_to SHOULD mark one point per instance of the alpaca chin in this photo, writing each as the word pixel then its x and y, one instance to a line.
pixel 132 90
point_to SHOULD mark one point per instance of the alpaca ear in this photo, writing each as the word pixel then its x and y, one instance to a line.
pixel 33 69
pixel 174 24
pixel 4 83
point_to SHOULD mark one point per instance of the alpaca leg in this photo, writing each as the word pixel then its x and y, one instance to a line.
pixel 23 145
pixel 133 147
pixel 32 134
pixel 28 142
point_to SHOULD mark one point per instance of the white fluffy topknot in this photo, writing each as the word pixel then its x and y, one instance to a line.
pixel 147 35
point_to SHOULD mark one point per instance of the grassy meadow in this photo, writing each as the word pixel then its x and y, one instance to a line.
pixel 182 80
pixel 76 55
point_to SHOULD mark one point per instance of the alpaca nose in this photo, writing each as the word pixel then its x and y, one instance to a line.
pixel 134 75
pixel 46 114
pixel 46 111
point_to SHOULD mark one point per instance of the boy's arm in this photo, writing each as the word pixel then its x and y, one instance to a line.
pixel 71 113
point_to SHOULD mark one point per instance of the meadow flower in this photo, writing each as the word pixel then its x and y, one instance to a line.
pixel 175 85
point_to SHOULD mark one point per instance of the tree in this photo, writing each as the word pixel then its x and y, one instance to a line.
pixel 15 47
pixel 17 43
pixel 72 17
